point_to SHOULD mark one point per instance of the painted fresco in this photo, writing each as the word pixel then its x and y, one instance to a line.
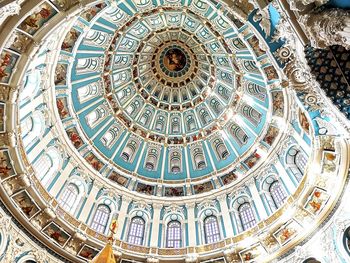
pixel 271 135
pixel 113 102
pixel 62 107
pixel 119 179
pixel 34 22
pixel 26 204
pixel 252 160
pixel 254 43
pixel 286 232
pixel 2 117
pixel 228 178
pixel 252 253
pixel 74 137
pixel 202 188
pixel 6 168
pixel 87 252
pixel 145 189
pixel 278 103
pixel 174 191
pixel 329 161
pixel 92 12
pixel 304 122
pixel 56 233
pixel 174 60
pixel 70 40
pixel 94 161
pixel 270 73
pixel 7 64
pixel 316 201
pixel 18 42
pixel 61 74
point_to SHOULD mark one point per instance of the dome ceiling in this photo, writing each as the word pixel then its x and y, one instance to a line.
pixel 171 92
pixel 146 112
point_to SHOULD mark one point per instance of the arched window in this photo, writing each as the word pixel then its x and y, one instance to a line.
pixel 33 128
pixel 111 136
pixel 220 149
pixel 311 260
pixel 198 158
pixel 27 126
pixel 278 194
pixel 204 116
pixel 101 217
pixel 69 198
pixel 129 151
pixel 246 216
pixel 175 162
pixel 256 91
pixel 96 38
pixel 175 125
pixel 159 125
pixel 95 117
pixel 239 135
pixel 251 114
pixel 191 125
pixel 216 106
pixel 136 231
pixel 173 237
pixel 88 92
pixel 211 230
pixel 346 240
pixel 48 165
pixel 31 85
pixel 151 159
pixel 297 161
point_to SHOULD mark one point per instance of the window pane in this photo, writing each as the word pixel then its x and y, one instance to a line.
pixel 69 197
pixel 174 235
pixel 99 223
pixel 247 216
pixel 211 230
pixel 136 231
pixel 277 193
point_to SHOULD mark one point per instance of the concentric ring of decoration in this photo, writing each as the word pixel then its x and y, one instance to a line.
pixel 167 128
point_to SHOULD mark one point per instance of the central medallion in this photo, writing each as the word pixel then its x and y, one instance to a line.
pixel 175 60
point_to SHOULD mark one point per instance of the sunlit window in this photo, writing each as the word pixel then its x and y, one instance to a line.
pixel 246 215
pixel 100 220
pixel 69 197
pixel 278 194
pixel 211 230
pixel 136 231
pixel 173 234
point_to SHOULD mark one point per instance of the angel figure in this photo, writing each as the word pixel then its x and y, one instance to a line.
pixel 265 23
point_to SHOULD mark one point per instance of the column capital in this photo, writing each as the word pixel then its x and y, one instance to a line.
pixel 157 206
pixel 190 205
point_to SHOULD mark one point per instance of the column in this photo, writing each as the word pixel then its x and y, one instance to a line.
pixel 122 215
pixel 226 216
pixel 155 225
pixel 257 199
pixel 300 141
pixel 192 237
pixel 61 180
pixel 84 215
pixel 43 142
pixel 283 175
